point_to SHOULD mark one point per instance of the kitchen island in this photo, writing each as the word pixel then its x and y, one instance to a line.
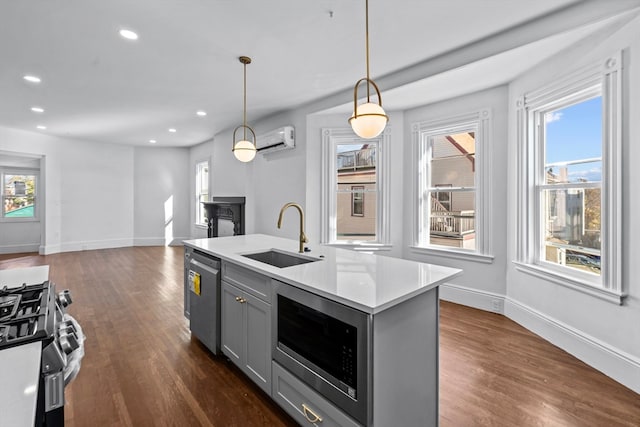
pixel 394 378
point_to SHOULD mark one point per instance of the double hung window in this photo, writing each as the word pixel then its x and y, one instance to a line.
pixel 355 196
pixel 569 181
pixel 452 188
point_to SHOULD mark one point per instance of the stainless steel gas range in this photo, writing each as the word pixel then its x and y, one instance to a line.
pixel 34 316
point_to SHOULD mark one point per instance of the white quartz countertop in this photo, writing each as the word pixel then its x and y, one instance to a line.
pixel 370 283
pixel 20 365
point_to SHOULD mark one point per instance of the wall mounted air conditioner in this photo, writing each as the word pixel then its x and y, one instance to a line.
pixel 276 140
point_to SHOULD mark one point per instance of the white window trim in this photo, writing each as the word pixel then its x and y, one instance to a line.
pixel 197 195
pixel 331 137
pixel 4 170
pixel 608 74
pixel 421 131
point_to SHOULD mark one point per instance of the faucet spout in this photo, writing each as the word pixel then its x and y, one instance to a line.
pixel 303 237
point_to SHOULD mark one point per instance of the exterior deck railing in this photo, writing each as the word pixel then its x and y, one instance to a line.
pixel 456 224
pixel 358 159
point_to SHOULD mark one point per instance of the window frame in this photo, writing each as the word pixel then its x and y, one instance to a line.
pixel 331 138
pixel 603 78
pixel 198 191
pixel 480 121
pixel 357 190
pixel 10 170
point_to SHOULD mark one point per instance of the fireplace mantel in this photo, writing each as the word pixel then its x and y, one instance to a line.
pixel 224 209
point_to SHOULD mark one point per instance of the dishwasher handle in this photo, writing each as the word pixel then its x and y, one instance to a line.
pixel 195 264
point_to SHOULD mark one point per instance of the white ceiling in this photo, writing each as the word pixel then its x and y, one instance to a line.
pixel 98 86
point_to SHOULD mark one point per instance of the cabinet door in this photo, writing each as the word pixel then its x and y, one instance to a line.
pixel 258 346
pixel 233 335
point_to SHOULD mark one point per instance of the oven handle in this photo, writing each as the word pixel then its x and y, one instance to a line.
pixel 307 411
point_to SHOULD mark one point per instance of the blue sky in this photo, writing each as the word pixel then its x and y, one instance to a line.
pixel 575 133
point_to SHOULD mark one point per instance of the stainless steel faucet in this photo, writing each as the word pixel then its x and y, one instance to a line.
pixel 303 237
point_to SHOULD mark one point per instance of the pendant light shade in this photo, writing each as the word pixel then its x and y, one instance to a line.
pixel 244 150
pixel 369 119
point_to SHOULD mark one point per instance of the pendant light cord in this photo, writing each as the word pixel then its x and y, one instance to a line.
pixel 367 45
pixel 244 107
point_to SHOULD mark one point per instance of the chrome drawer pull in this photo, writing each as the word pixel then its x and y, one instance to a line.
pixel 307 411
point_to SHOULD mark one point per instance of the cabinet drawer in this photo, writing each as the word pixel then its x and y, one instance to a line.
pixel 294 396
pixel 254 283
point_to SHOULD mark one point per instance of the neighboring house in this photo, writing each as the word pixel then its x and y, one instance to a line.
pixel 357 205
pixel 573 229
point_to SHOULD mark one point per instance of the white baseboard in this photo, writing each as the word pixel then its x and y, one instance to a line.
pixel 483 300
pixel 106 244
pixel 158 241
pixel 17 249
pixel 86 246
pixel 611 361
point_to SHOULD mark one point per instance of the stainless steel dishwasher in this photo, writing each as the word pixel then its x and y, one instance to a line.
pixel 204 299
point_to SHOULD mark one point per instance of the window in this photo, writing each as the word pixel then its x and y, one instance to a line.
pixel 19 191
pixel 354 196
pixel 443 198
pixel 357 200
pixel 452 189
pixel 202 190
pixel 569 173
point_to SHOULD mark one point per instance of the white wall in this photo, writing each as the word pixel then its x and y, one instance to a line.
pixel 161 197
pixel 279 178
pixel 601 333
pixel 95 195
pixel 482 284
pixel 88 190
pixel 105 195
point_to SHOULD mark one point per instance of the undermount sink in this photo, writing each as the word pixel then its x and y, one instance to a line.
pixel 280 259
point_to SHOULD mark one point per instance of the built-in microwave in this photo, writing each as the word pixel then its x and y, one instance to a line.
pixel 325 344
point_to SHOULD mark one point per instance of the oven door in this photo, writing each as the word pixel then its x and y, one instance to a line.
pixel 327 345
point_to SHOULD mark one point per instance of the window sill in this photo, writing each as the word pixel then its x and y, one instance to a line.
pixel 362 247
pixel 201 226
pixel 570 282
pixel 8 220
pixel 449 253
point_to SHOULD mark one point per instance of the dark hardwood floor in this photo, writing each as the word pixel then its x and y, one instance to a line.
pixel 141 367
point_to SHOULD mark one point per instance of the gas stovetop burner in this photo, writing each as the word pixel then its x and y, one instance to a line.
pixel 9 306
pixel 27 314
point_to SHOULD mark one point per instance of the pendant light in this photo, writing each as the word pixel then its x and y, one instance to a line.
pixel 244 150
pixel 368 120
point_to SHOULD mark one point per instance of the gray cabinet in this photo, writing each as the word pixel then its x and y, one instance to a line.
pixel 246 323
pixel 306 406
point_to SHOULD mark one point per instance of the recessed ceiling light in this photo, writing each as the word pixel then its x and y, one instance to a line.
pixel 41 127
pixel 128 34
pixel 152 141
pixel 172 130
pixel 37 109
pixel 32 79
pixel 201 113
